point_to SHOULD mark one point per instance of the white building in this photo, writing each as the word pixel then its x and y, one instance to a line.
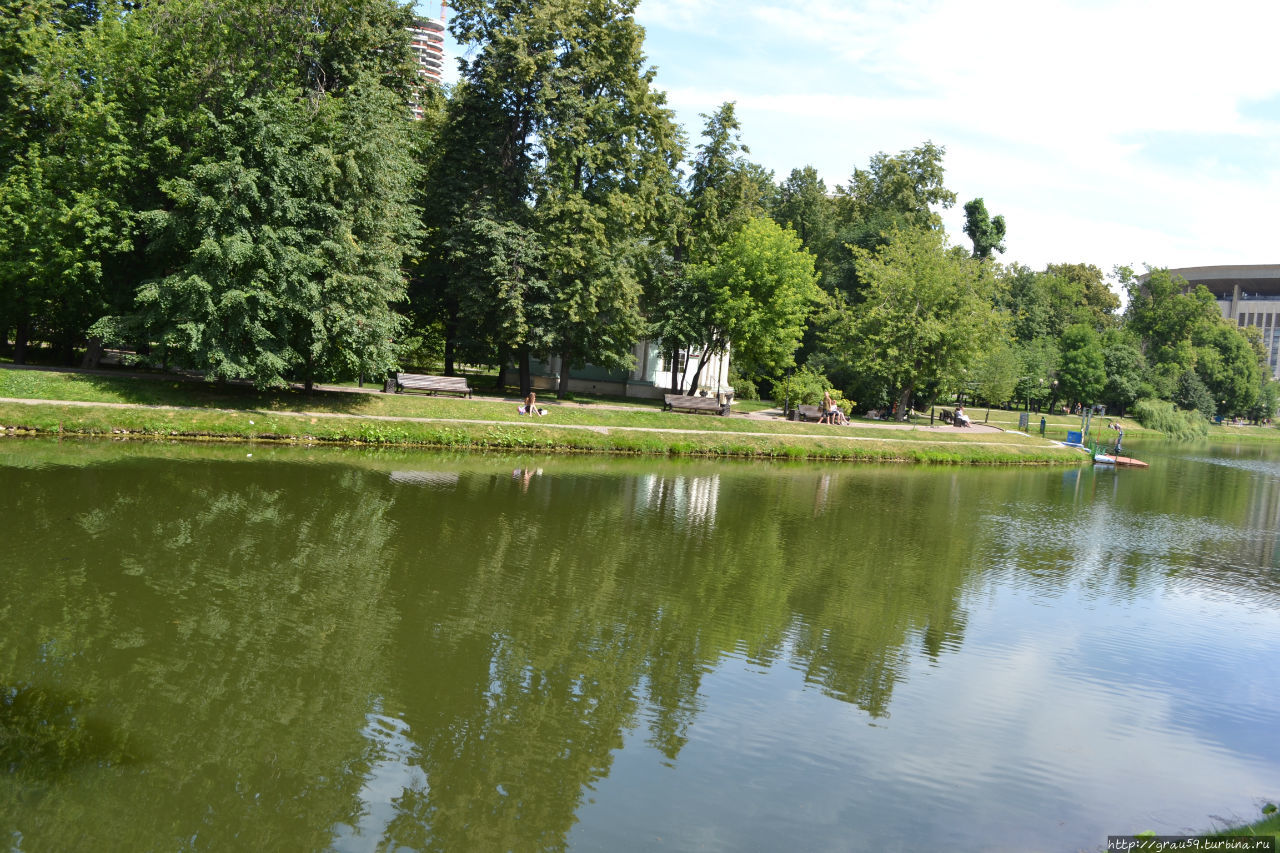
pixel 649 378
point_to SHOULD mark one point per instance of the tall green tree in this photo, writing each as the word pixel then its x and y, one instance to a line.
pixel 902 192
pixel 724 192
pixel 927 313
pixel 1126 371
pixel 986 231
pixel 276 243
pixel 1094 301
pixel 1229 361
pixel 996 372
pixel 804 205
pixel 1082 372
pixel 66 162
pixel 561 136
pixel 754 297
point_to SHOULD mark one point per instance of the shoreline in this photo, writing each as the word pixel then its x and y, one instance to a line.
pixel 31 417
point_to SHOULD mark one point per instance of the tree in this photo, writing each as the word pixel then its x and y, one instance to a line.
pixel 724 191
pixel 898 191
pixel 1166 318
pixel 1126 372
pixel 996 372
pixel 1093 301
pixel 927 312
pixel 1039 361
pixel 63 162
pixel 754 297
pixel 1193 395
pixel 560 136
pixel 986 232
pixel 1082 372
pixel 276 242
pixel 1268 400
pixel 1229 361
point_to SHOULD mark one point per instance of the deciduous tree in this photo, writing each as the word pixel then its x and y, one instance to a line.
pixel 927 311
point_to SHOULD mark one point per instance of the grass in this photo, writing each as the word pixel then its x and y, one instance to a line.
pixel 131 405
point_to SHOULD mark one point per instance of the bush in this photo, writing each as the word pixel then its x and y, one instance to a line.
pixel 743 388
pixel 1160 415
pixel 804 387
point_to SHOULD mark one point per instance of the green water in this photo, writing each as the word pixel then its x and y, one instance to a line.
pixel 248 648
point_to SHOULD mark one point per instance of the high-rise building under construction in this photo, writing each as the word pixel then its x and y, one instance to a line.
pixel 427 42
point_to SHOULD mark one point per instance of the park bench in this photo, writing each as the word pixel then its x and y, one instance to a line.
pixel 806 413
pixel 430 384
pixel 694 403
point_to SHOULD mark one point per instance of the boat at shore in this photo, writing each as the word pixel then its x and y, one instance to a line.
pixel 1122 461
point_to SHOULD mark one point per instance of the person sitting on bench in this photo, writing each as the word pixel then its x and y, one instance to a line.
pixel 831 413
pixel 960 418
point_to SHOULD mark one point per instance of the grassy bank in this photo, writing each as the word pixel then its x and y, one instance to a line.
pixel 145 406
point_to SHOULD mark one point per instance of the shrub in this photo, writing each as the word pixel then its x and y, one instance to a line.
pixel 803 387
pixel 1160 415
pixel 743 387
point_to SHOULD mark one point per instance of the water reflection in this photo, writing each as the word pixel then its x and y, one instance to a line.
pixel 393 785
pixel 381 653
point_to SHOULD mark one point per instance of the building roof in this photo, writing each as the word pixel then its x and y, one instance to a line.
pixel 1222 280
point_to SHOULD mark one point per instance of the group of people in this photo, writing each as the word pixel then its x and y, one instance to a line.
pixel 831 413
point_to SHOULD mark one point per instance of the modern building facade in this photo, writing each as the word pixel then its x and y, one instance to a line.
pixel 1248 295
pixel 427 42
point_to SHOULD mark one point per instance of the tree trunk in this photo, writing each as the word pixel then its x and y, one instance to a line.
pixel 563 390
pixel 702 360
pixel 92 354
pixel 526 381
pixel 903 401
pixel 448 349
pixel 21 338
pixel 310 376
pixel 675 382
pixel 69 350
pixel 504 355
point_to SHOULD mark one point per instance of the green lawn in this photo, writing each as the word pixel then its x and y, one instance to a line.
pixel 197 409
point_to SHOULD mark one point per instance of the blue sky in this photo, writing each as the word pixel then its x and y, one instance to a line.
pixel 1118 132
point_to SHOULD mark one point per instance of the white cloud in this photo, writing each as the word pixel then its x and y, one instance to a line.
pixel 1083 122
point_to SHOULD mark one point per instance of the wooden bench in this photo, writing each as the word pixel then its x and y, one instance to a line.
pixel 431 384
pixel 806 413
pixel 694 403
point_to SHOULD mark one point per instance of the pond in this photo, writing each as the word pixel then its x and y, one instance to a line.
pixel 242 647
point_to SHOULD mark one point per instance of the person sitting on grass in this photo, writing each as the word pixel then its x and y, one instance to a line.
pixel 530 406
